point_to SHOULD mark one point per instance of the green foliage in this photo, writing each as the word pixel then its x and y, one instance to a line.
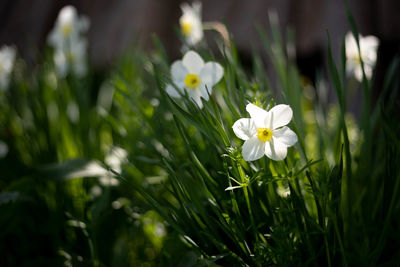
pixel 184 195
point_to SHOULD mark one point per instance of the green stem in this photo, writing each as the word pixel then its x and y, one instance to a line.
pixel 246 195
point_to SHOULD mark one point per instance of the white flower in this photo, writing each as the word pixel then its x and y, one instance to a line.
pixel 72 59
pixel 68 27
pixel 190 22
pixel 69 45
pixel 194 76
pixel 7 58
pixel 265 132
pixel 368 48
pixel 115 158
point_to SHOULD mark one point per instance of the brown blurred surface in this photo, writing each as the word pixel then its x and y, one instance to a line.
pixel 115 25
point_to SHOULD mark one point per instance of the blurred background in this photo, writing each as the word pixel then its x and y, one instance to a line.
pixel 115 25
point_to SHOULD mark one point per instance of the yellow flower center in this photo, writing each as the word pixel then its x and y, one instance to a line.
pixel 192 80
pixel 66 29
pixel 264 134
pixel 357 59
pixel 186 28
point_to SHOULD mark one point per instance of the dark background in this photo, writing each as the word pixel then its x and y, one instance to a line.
pixel 117 25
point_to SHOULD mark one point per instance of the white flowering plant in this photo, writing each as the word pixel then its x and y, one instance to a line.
pixel 365 52
pixel 69 43
pixel 7 59
pixel 194 77
pixel 265 132
pixel 196 160
pixel 191 23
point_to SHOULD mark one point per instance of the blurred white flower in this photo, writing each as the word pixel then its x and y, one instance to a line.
pixel 73 111
pixel 7 58
pixel 368 49
pixel 70 47
pixel 190 22
pixel 108 181
pixel 115 157
pixel 95 191
pixel 283 191
pixel 265 132
pixel 194 76
pixel 3 149
pixel 68 28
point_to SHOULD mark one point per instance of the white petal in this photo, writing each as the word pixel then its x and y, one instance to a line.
pixel 196 98
pixel 253 149
pixel 172 91
pixel 187 10
pixel 358 73
pixel 204 91
pixel 275 150
pixel 193 62
pixel 211 74
pixel 244 128
pixel 178 71
pixel 257 114
pixel 280 116
pixel 368 71
pixel 67 14
pixel 196 6
pixel 83 23
pixel 351 46
pixel 285 136
pixel 369 42
pixel 195 37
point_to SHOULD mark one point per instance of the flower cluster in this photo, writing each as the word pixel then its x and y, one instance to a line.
pixel 264 133
pixel 69 45
pixel 7 58
pixel 368 47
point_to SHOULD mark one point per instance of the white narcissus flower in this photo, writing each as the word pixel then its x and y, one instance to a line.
pixel 190 22
pixel 68 27
pixel 68 43
pixel 194 76
pixel 265 132
pixel 368 49
pixel 7 58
